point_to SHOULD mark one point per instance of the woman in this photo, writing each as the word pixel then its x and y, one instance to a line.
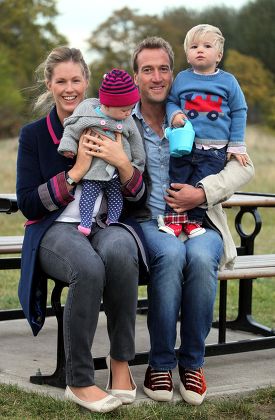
pixel 48 192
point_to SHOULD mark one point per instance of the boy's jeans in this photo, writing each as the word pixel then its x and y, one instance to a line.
pixel 190 169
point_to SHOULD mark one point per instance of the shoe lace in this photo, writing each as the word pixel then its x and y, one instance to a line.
pixel 194 379
pixel 160 379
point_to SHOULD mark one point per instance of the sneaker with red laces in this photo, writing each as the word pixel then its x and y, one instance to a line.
pixel 192 385
pixel 171 228
pixel 193 229
pixel 158 385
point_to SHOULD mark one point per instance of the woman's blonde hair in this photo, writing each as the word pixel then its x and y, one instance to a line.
pixel 44 74
pixel 199 31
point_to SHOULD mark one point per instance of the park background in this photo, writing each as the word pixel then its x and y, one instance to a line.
pixel 107 33
pixel 30 29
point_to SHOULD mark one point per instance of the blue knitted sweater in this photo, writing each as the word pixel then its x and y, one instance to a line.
pixel 215 105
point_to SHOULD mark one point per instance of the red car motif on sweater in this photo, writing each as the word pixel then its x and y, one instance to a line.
pixel 199 105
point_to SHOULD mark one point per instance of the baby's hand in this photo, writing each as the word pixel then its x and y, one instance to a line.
pixel 242 159
pixel 69 155
pixel 178 120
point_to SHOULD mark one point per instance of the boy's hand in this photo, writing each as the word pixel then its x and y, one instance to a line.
pixel 178 120
pixel 242 159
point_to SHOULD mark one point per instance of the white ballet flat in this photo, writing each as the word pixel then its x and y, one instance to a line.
pixel 106 404
pixel 126 396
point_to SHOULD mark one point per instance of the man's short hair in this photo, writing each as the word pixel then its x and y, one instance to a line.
pixel 153 42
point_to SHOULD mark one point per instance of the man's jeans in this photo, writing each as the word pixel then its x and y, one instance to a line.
pixel 183 280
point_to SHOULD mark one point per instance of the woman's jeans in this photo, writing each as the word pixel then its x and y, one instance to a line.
pixel 104 265
pixel 183 280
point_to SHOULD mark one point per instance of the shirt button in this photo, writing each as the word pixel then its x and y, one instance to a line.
pixel 102 122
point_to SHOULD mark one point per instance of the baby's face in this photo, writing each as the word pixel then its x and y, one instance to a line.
pixel 203 54
pixel 119 113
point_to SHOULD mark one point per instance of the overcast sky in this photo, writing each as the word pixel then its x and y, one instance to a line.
pixel 78 18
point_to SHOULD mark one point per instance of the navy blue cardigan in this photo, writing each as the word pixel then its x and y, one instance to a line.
pixel 42 196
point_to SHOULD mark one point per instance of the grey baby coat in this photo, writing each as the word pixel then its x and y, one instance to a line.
pixel 85 116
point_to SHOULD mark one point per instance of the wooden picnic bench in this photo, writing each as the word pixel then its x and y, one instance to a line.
pixel 246 268
pixel 11 244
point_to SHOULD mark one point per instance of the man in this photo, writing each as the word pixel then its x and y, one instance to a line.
pixel 183 276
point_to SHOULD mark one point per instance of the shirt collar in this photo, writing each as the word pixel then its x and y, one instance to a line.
pixel 137 111
pixel 138 114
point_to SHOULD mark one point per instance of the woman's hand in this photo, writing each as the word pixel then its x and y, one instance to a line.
pixel 107 149
pixel 83 159
pixel 110 151
pixel 185 197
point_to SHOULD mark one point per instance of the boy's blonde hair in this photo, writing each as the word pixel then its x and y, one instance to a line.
pixel 199 31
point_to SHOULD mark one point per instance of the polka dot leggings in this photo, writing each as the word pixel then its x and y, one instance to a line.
pixel 89 194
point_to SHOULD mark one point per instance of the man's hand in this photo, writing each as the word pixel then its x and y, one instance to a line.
pixel 184 197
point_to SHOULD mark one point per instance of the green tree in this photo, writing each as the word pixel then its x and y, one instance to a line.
pixel 175 23
pixel 256 82
pixel 11 101
pixel 256 31
pixel 27 30
pixel 114 40
pixel 181 20
pixel 225 19
pixel 27 34
pixel 249 53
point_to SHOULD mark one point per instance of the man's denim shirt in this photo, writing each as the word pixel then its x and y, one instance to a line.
pixel 157 164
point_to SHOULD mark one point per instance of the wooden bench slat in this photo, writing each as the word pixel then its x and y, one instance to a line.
pixel 11 244
pixel 251 273
pixel 250 266
pixel 246 266
pixel 11 240
pixel 11 249
pixel 249 261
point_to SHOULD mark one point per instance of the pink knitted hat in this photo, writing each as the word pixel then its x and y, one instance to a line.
pixel 118 89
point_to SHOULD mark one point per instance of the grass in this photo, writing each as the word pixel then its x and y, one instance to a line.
pixel 18 404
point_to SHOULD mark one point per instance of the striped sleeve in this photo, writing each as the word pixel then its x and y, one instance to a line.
pixel 134 189
pixel 54 193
